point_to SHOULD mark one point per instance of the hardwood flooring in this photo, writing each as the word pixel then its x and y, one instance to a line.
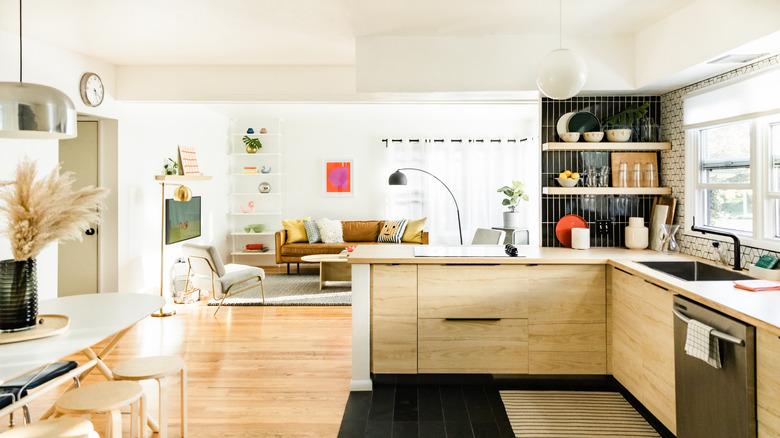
pixel 253 371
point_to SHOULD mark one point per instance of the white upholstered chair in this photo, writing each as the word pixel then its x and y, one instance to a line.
pixel 487 236
pixel 226 280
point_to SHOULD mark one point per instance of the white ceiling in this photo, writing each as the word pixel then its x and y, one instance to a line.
pixel 300 32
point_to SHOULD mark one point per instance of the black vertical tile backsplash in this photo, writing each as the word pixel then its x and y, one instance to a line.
pixel 593 208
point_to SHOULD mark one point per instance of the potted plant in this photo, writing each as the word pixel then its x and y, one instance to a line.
pixel 252 144
pixel 36 213
pixel 513 194
pixel 619 126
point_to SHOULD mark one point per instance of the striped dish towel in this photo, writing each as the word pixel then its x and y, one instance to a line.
pixel 700 343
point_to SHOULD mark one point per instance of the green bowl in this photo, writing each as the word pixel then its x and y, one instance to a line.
pixel 254 228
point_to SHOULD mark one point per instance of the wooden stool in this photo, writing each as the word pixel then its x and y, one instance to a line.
pixel 63 427
pixel 161 369
pixel 109 398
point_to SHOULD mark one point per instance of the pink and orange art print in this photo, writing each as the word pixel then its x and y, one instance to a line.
pixel 338 177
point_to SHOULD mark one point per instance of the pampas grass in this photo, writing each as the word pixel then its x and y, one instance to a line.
pixel 38 212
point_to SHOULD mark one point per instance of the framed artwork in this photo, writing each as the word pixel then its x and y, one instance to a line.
pixel 337 177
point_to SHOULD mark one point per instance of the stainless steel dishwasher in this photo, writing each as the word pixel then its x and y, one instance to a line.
pixel 711 402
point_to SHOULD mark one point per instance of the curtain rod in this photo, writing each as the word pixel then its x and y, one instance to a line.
pixel 387 141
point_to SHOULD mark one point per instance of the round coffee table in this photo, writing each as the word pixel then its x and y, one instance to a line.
pixel 333 267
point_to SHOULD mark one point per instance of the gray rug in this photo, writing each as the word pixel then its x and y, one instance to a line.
pixel 293 290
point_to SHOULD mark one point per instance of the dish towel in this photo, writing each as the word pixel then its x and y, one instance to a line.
pixel 700 343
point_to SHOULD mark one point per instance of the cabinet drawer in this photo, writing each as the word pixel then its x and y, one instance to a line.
pixel 567 293
pixel 473 346
pixel 567 348
pixel 472 292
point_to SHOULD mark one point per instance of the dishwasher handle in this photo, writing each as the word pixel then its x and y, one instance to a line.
pixel 718 334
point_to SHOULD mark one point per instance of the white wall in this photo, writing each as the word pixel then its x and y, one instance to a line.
pixel 149 133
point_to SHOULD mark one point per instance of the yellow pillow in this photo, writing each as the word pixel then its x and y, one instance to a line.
pixel 296 232
pixel 413 232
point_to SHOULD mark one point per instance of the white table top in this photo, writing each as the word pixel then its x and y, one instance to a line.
pixel 93 318
pixel 339 258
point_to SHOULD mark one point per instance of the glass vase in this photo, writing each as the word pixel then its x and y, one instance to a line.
pixel 18 295
pixel 668 239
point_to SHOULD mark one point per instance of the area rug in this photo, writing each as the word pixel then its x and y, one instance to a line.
pixel 293 290
pixel 573 414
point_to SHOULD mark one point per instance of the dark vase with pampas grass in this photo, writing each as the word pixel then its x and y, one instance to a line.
pixel 18 295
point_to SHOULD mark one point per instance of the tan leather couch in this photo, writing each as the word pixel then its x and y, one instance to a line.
pixel 355 233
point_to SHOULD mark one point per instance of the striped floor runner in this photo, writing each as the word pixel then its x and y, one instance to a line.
pixel 573 414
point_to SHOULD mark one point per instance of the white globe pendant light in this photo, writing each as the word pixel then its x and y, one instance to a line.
pixel 562 73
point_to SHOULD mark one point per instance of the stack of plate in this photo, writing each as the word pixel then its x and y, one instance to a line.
pixel 582 122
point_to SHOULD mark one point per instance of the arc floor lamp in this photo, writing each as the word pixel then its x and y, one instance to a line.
pixel 398 178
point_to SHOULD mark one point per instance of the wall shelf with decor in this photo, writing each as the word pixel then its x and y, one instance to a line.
pixel 256 198
pixel 606 190
pixel 607 146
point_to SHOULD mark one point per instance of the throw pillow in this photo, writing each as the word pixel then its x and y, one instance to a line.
pixel 330 231
pixel 392 231
pixel 296 232
pixel 312 232
pixel 413 232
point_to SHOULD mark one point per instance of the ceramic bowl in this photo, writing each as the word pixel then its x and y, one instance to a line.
pixel 593 137
pixel 567 182
pixel 619 135
pixel 254 228
pixel 571 137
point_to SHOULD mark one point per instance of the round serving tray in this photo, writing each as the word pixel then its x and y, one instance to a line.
pixel 48 325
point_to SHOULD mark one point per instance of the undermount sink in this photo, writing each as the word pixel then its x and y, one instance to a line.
pixel 695 271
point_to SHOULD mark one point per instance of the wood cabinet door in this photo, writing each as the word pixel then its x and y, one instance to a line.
pixel 768 383
pixel 394 319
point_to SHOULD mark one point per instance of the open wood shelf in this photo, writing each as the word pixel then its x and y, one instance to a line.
pixel 181 178
pixel 606 190
pixel 607 146
pixel 251 253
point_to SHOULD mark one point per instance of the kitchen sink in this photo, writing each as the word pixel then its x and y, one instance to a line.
pixel 695 271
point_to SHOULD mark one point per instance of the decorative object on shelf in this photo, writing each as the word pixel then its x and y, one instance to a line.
pixel 593 137
pixel 567 178
pixel 266 168
pixel 188 161
pixel 254 247
pixel 263 131
pixel 580 238
pixel 648 130
pixel 564 226
pixel 171 167
pixel 584 121
pixel 570 137
pixel 398 178
pixel 264 187
pixel 252 144
pixel 182 193
pixel 338 177
pixel 631 161
pixel 254 228
pixel 513 195
pixel 249 207
pixel 249 170
pixel 657 221
pixel 562 126
pixel 48 112
pixel 620 126
pixel 250 131
pixel 562 73
pixel 637 234
pixel 597 177
pixel 38 212
pixel 668 239
pixel 619 135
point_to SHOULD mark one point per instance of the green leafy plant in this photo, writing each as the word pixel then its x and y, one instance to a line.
pixel 252 144
pixel 171 167
pixel 627 117
pixel 514 194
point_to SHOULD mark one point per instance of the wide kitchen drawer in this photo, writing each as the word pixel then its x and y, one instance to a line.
pixel 567 348
pixel 473 346
pixel 452 291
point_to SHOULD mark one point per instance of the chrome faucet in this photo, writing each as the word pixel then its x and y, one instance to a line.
pixel 737 245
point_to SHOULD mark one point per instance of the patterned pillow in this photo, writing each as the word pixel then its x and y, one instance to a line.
pixel 392 231
pixel 330 231
pixel 312 232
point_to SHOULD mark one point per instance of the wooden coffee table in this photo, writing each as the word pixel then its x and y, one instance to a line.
pixel 333 267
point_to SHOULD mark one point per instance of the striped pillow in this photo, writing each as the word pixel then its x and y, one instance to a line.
pixel 392 231
pixel 312 232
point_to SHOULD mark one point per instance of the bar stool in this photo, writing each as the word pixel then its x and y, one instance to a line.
pixel 63 427
pixel 161 369
pixel 107 398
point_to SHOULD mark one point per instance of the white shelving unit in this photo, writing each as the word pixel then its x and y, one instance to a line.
pixel 266 208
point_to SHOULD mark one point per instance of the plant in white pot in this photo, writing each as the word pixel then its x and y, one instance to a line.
pixel 38 212
pixel 513 195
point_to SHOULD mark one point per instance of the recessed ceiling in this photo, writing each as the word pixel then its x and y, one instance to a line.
pixel 298 32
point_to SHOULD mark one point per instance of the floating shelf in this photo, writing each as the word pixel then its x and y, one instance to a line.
pixel 255 193
pixel 256 154
pixel 252 253
pixel 607 146
pixel 181 178
pixel 264 233
pixel 257 134
pixel 266 213
pixel 606 190
pixel 257 174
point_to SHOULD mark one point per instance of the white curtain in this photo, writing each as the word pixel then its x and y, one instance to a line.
pixel 473 171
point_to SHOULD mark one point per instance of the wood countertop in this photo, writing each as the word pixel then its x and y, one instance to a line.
pixel 761 309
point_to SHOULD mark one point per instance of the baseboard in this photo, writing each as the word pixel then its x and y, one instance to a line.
pixel 360 385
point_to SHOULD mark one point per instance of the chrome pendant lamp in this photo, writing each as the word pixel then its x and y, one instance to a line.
pixel 562 73
pixel 34 110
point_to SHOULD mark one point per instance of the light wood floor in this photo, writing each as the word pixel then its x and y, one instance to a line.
pixel 253 371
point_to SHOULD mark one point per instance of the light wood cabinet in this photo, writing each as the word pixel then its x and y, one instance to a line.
pixel 567 348
pixel 394 319
pixel 642 339
pixel 768 383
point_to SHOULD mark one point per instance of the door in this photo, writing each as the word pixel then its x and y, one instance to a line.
pixel 78 261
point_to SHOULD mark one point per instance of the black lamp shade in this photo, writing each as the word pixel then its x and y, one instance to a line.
pixel 397 178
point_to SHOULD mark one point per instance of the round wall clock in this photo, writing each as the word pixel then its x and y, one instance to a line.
pixel 91 88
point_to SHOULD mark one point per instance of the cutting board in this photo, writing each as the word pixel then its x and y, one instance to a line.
pixel 633 157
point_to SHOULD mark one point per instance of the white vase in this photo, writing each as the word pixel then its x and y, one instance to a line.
pixel 636 233
pixel 512 219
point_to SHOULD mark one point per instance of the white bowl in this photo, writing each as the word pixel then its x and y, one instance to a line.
pixel 567 182
pixel 593 137
pixel 619 135
pixel 571 137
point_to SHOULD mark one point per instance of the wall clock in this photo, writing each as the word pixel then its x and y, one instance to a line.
pixel 91 89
